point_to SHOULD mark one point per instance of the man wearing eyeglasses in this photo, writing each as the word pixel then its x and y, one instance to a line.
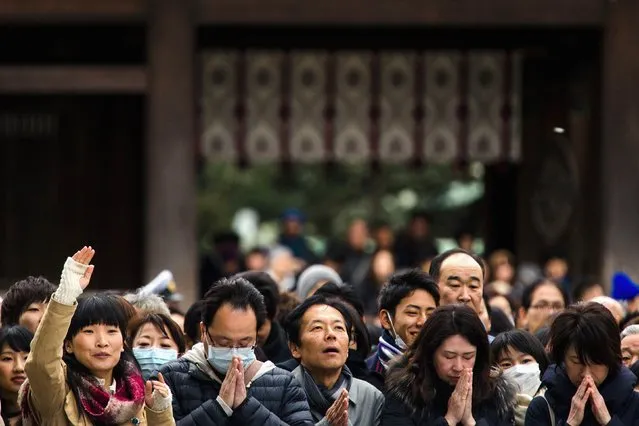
pixel 220 382
pixel 540 301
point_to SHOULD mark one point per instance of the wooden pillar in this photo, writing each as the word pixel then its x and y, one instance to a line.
pixel 620 141
pixel 170 218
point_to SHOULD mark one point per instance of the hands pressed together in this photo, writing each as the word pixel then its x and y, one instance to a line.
pixel 337 414
pixel 460 403
pixel 233 390
pixel 588 391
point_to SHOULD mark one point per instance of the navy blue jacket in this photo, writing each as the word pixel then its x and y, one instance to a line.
pixel 618 392
pixel 273 399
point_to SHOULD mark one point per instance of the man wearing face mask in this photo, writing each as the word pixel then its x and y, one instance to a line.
pixel 405 303
pixel 220 382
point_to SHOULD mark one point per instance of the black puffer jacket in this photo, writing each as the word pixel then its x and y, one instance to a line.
pixel 618 392
pixel 274 398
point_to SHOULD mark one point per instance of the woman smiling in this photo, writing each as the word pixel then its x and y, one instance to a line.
pixel 79 370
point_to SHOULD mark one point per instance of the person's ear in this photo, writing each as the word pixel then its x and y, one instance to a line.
pixel 68 347
pixel 522 318
pixel 295 350
pixel 383 319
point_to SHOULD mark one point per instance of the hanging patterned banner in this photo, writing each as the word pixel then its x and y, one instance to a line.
pixel 441 100
pixel 308 102
pixel 218 104
pixel 486 99
pixel 263 91
pixel 312 106
pixel 397 103
pixel 353 102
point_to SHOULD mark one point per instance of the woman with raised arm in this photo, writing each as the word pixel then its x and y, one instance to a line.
pixel 79 370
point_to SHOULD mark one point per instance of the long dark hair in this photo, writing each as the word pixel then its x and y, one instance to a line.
pixel 100 309
pixel 445 322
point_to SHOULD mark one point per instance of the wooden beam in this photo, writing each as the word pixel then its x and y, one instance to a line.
pixel 418 12
pixel 59 11
pixel 72 79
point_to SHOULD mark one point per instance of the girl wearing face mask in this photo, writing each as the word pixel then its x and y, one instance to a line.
pixel 79 370
pixel 523 359
pixel 14 349
pixel 445 377
pixel 156 340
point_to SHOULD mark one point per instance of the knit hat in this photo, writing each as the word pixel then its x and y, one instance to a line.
pixel 314 274
pixel 623 288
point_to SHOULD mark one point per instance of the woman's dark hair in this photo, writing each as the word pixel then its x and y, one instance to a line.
pixel 100 309
pixel 166 325
pixel 445 322
pixel 592 331
pixel 543 335
pixel 192 320
pixel 16 337
pixel 522 341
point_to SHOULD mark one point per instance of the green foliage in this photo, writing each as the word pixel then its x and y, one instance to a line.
pixel 329 196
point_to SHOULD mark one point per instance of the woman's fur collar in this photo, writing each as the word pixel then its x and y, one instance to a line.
pixel 400 379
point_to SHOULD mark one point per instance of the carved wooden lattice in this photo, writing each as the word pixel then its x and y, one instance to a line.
pixel 357 106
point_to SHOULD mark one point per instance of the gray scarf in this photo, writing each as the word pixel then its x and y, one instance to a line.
pixel 319 397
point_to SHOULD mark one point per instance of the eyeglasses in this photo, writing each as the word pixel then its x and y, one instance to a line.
pixel 227 345
pixel 545 306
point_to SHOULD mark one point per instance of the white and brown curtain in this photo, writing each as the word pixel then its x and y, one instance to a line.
pixel 309 106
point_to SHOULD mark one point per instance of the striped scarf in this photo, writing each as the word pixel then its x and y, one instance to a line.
pixel 386 351
pixel 98 404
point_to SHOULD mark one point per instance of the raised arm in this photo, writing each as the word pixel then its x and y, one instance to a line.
pixel 45 368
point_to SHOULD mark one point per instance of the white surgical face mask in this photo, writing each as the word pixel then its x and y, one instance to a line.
pixel 525 377
pixel 399 342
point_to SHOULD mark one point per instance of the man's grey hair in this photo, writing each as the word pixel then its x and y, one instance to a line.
pixel 631 330
pixel 148 303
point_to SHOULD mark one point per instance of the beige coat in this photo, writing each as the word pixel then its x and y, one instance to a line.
pixel 50 398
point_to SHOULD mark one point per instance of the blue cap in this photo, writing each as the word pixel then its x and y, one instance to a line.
pixel 293 214
pixel 623 288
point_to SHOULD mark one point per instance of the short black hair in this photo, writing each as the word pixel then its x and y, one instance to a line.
pixel 293 321
pixel 401 285
pixel 436 263
pixel 522 341
pixel 267 288
pixel 237 292
pixel 526 297
pixel 16 337
pixel 345 293
pixel 592 331
pixel 583 286
pixel 192 320
pixel 499 322
pixel 22 294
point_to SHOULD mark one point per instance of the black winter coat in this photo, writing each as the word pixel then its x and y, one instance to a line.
pixel 273 399
pixel 618 392
pixel 403 408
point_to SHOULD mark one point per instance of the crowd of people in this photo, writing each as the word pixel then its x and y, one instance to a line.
pixel 399 336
